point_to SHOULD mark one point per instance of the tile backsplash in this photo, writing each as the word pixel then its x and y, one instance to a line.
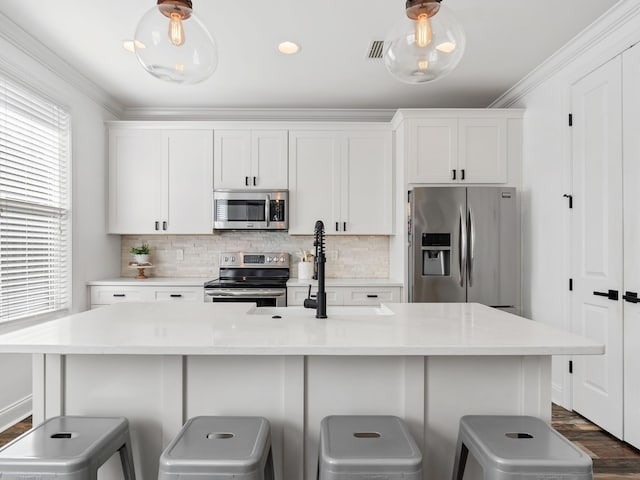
pixel 197 256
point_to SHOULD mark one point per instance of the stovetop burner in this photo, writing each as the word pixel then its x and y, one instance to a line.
pixel 252 270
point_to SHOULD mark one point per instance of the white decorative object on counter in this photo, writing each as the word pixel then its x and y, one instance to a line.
pixel 305 270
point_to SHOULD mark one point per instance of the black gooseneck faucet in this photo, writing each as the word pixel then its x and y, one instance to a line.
pixel 320 303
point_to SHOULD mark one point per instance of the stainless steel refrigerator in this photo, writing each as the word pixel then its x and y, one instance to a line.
pixel 464 246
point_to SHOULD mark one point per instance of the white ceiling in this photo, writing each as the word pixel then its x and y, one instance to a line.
pixel 506 39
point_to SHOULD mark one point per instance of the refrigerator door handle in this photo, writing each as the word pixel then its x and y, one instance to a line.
pixel 462 249
pixel 472 244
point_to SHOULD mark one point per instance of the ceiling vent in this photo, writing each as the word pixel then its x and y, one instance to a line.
pixel 375 50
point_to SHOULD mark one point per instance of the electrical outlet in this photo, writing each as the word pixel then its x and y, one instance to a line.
pixel 179 254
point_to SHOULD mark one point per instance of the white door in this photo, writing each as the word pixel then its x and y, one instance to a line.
pixel 314 181
pixel 366 207
pixel 189 182
pixel 631 156
pixel 432 151
pixel 232 158
pixel 269 159
pixel 135 188
pixel 482 150
pixel 596 242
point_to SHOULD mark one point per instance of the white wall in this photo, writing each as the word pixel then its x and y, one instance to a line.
pixel 94 254
pixel 545 95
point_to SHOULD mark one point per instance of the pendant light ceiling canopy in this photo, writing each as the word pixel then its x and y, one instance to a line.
pixel 172 44
pixel 426 44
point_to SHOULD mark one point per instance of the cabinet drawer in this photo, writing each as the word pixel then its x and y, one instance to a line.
pixel 109 295
pixel 179 294
pixel 297 295
pixel 371 296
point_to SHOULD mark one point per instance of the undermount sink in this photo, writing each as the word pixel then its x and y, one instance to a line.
pixel 339 311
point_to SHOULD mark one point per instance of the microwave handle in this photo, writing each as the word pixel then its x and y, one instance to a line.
pixel 267 208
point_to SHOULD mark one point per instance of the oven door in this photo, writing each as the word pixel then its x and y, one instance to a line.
pixel 262 297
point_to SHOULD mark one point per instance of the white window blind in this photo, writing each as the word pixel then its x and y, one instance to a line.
pixel 34 204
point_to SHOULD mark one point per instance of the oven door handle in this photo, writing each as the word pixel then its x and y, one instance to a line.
pixel 267 208
pixel 245 292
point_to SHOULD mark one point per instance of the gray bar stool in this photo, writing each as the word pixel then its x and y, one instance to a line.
pixel 219 448
pixel 68 448
pixel 354 447
pixel 517 447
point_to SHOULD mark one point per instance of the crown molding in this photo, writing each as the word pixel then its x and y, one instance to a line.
pixel 260 114
pixel 612 21
pixel 13 34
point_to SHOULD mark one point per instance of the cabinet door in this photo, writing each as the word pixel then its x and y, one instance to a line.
pixel 269 159
pixel 432 150
pixel 189 182
pixel 232 158
pixel 367 198
pixel 482 150
pixel 314 176
pixel 135 188
pixel 631 168
pixel 297 295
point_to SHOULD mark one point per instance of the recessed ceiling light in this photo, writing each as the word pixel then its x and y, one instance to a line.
pixel 288 48
pixel 130 45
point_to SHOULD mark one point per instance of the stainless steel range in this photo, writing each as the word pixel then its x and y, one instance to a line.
pixel 259 278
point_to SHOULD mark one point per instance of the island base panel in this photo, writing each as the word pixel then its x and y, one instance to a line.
pixel 159 393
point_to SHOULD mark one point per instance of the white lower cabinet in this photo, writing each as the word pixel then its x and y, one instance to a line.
pixel 343 295
pixel 109 294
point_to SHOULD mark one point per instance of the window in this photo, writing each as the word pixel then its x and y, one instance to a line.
pixel 34 204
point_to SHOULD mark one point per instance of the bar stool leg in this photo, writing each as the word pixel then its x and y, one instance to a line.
pixel 126 458
pixel 462 452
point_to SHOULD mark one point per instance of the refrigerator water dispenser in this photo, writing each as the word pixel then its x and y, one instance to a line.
pixel 436 254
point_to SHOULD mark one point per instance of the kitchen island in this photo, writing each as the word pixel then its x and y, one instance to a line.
pixel 161 363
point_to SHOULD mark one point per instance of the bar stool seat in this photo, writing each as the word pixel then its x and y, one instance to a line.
pixel 356 447
pixel 69 448
pixel 219 448
pixel 518 447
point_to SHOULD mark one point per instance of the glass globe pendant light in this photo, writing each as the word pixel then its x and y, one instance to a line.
pixel 172 44
pixel 425 45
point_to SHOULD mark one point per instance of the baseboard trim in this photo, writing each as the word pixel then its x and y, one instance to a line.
pixel 12 414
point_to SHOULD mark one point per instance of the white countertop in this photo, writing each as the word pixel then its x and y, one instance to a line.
pixel 423 329
pixel 346 282
pixel 153 281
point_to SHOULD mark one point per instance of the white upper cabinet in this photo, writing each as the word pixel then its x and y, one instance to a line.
pixel 342 177
pixel 314 172
pixel 160 181
pixel 250 159
pixel 458 147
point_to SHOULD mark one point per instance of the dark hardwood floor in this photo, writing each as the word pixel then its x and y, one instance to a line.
pixel 612 459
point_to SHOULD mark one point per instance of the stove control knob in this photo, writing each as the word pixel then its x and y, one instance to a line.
pixel 233 259
pixel 226 259
pixel 281 259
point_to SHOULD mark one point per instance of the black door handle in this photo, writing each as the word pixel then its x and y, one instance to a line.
pixel 176 295
pixel 254 181
pixel 462 174
pixel 631 297
pixel 246 181
pixel 611 294
pixel 453 174
pixel 157 225
pixel 369 295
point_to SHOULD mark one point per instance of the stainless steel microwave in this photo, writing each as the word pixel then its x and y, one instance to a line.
pixel 250 209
